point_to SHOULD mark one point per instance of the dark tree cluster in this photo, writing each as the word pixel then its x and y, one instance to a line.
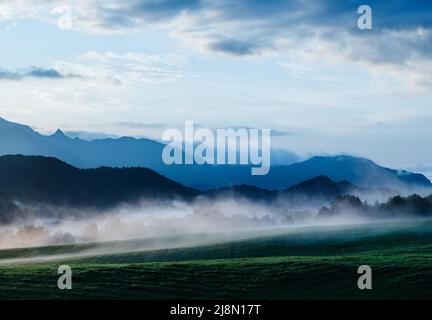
pixel 398 206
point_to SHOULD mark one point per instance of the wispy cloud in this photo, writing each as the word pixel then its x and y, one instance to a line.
pixel 89 135
pixel 281 133
pixel 127 68
pixel 34 72
pixel 139 125
pixel 109 68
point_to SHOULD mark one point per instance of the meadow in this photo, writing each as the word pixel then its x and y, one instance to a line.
pixel 287 263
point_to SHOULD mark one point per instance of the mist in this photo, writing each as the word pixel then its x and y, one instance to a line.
pixel 47 225
pixel 146 220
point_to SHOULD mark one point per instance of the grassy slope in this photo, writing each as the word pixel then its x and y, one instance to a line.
pixel 312 263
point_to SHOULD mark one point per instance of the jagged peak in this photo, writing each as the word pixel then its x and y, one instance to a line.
pixel 59 133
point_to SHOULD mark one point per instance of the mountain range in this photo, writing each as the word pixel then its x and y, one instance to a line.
pixel 131 152
pixel 27 182
pixel 37 179
pixel 45 187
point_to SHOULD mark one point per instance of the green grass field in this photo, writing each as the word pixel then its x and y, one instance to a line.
pixel 302 263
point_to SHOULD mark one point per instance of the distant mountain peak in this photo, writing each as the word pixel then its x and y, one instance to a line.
pixel 6 124
pixel 59 133
pixel 59 138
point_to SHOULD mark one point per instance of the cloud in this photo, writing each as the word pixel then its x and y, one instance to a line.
pixel 109 68
pixel 159 10
pixel 5 74
pixel 274 132
pixel 233 47
pixel 45 73
pixel 89 135
pixel 423 169
pixel 33 72
pixel 280 133
pixel 128 67
pixel 398 47
pixel 139 125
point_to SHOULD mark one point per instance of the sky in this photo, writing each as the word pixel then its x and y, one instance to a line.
pixel 301 68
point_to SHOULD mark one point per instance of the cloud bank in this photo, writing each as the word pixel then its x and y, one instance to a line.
pixel 398 47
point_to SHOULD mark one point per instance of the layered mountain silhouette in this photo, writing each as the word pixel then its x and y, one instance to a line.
pixel 36 179
pixel 36 186
pixel 130 152
pixel 46 179
pixel 20 139
pixel 46 182
pixel 321 187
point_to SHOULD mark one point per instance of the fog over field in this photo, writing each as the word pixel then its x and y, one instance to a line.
pixel 149 219
pixel 152 219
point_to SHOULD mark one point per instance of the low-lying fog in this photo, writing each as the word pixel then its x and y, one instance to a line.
pixel 151 219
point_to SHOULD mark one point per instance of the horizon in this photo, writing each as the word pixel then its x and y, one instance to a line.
pixel 298 158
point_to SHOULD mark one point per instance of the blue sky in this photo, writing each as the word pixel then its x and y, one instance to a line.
pixel 300 67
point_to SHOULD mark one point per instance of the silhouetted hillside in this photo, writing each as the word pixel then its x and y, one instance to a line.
pixel 320 187
pixel 38 179
pixel 48 180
